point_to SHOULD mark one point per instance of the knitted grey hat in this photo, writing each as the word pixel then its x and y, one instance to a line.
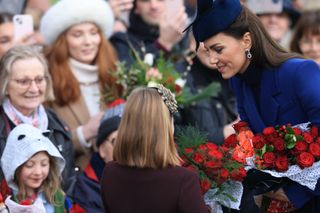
pixel 22 143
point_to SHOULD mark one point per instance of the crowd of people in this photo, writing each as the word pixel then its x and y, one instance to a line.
pixel 63 149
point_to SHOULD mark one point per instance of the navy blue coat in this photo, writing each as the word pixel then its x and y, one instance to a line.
pixel 286 94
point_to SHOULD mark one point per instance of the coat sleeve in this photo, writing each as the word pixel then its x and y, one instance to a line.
pixel 307 86
pixel 190 196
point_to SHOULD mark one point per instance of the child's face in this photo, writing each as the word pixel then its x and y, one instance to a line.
pixel 35 171
pixel 106 148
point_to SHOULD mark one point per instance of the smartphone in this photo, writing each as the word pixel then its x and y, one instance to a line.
pixel 23 26
pixel 173 7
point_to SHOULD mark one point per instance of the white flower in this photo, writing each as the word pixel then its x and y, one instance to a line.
pixel 148 59
pixel 180 82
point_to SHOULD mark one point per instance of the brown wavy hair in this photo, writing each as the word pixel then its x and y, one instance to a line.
pixel 65 85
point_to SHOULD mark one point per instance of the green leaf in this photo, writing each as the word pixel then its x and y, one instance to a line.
pixel 269 148
pixel 289 130
pixel 210 91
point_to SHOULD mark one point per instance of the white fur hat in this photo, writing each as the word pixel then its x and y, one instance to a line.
pixel 66 13
pixel 22 143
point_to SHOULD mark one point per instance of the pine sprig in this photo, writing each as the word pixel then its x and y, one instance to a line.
pixel 190 136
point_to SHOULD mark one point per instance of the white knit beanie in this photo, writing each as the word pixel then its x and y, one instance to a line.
pixel 22 143
pixel 66 13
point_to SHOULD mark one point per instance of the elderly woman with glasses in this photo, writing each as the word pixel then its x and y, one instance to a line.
pixel 25 84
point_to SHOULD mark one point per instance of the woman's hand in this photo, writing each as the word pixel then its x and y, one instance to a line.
pixel 171 32
pixel 118 7
pixel 278 195
pixel 90 129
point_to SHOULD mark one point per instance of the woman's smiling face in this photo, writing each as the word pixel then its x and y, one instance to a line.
pixel 228 53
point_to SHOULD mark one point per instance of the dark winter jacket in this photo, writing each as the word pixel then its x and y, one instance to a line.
pixel 87 190
pixel 60 137
pixel 209 115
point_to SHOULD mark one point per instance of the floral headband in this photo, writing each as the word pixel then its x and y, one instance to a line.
pixel 167 97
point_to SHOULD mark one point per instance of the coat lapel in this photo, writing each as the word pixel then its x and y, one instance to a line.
pixel 250 107
pixel 268 103
pixel 268 113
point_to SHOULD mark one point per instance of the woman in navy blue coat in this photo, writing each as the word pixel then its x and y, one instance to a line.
pixel 271 86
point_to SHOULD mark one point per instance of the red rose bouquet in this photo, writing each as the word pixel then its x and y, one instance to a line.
pixel 220 174
pixel 284 151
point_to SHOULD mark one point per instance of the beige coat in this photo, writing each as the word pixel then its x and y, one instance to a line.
pixel 74 115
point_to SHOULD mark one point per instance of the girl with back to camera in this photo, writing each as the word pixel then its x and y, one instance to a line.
pixel 146 175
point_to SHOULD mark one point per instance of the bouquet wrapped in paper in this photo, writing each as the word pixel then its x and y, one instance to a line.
pixel 220 174
pixel 277 154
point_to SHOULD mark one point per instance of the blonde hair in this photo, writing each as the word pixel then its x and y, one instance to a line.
pixel 145 135
pixel 50 186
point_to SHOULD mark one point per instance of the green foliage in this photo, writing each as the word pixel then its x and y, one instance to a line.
pixel 138 74
pixel 190 136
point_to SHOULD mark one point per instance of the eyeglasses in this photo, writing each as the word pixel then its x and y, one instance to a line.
pixel 26 82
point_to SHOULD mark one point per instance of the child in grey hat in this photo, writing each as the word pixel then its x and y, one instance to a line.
pixel 32 166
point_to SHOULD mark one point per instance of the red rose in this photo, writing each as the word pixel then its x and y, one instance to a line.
pixel 198 158
pixel 269 159
pixel 216 154
pixel 297 131
pixel 269 131
pixel 231 141
pixel 282 163
pixel 307 137
pixel 240 125
pixel 212 146
pixel 258 141
pixel 314 149
pixel 305 159
pixel 278 144
pixel 224 174
pixel 188 150
pixel 213 164
pixel 202 147
pixel 300 146
pixel 238 174
pixel 314 131
pixel 205 185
